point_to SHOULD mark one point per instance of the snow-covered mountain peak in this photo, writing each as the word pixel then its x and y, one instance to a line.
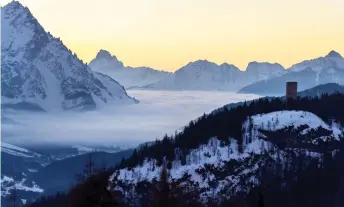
pixel 264 65
pixel 205 65
pixel 231 66
pixel 14 5
pixel 39 72
pixel 128 76
pixel 199 63
pixel 206 75
pixel 309 73
pixel 103 54
pixel 264 70
pixel 18 23
pixel 18 15
pixel 200 75
pixel 104 61
pixel 332 62
pixel 204 70
pixel 333 54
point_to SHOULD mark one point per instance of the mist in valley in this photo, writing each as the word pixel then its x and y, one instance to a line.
pixel 157 114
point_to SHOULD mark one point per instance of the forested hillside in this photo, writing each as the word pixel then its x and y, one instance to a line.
pixel 227 124
pixel 261 153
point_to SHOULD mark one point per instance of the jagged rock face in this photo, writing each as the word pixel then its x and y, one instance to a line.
pixel 219 169
pixel 37 69
pixel 105 61
pixel 334 54
pixel 129 77
pixel 308 74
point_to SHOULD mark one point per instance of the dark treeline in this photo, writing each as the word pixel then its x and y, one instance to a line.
pixel 227 124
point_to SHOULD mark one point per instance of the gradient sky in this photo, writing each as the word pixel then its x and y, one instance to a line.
pixel 167 34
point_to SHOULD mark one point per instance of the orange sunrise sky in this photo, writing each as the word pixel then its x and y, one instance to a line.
pixel 168 34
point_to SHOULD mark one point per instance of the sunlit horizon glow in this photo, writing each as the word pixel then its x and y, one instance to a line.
pixel 168 34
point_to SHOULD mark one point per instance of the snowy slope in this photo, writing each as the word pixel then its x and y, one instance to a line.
pixel 9 184
pixel 259 139
pixel 30 169
pixel 291 118
pixel 39 71
pixel 309 73
pixel 205 75
pixel 129 77
pixel 304 122
pixel 17 151
pixel 117 90
pixel 16 164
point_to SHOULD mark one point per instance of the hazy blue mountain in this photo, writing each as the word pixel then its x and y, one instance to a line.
pixel 129 77
pixel 308 74
pixel 205 75
pixel 328 88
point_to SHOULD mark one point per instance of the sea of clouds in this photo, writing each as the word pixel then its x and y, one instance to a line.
pixel 157 114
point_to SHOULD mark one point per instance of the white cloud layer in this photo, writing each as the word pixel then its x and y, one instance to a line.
pixel 158 113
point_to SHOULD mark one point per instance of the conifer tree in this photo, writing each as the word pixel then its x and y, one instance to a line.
pixel 161 196
pixel 261 201
pixel 13 199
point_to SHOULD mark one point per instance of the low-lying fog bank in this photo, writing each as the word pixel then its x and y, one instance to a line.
pixel 158 113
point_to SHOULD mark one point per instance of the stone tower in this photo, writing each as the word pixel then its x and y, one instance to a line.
pixel 291 91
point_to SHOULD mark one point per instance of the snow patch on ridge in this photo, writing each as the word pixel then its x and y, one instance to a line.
pixel 281 119
pixel 17 151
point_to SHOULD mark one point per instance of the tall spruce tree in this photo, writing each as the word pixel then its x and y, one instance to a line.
pixel 161 196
